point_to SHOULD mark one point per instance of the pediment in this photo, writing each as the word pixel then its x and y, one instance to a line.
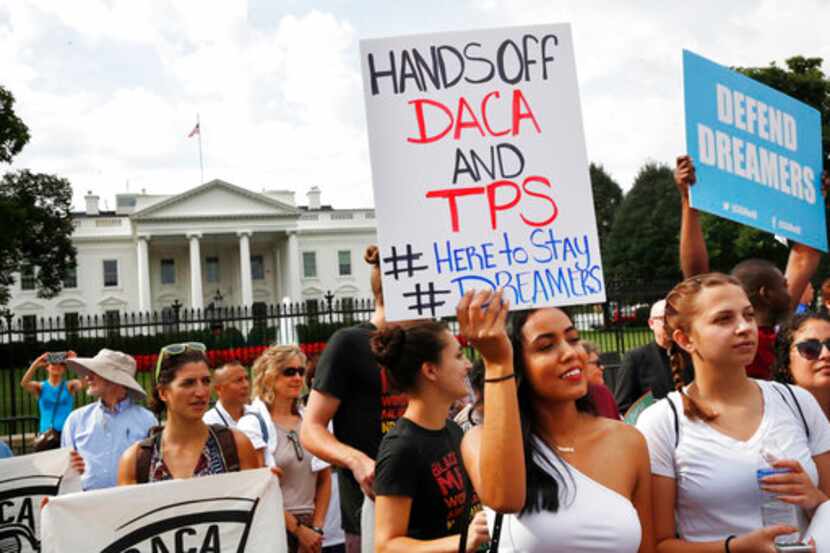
pixel 28 306
pixel 346 289
pixel 261 294
pixel 216 199
pixel 70 304
pixel 312 291
pixel 112 301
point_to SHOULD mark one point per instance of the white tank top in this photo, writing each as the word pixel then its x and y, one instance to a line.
pixel 591 519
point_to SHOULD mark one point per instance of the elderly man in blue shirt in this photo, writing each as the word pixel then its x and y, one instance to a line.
pixel 100 432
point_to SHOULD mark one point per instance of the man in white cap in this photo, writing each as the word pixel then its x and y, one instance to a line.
pixel 100 432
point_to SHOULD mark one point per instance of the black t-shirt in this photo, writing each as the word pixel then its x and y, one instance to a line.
pixel 426 466
pixel 369 406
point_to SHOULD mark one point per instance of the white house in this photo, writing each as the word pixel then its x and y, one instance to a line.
pixel 214 244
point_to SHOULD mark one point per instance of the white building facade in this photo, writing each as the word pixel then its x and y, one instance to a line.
pixel 216 244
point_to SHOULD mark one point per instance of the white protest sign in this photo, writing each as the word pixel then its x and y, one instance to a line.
pixel 479 169
pixel 819 530
pixel 24 482
pixel 239 512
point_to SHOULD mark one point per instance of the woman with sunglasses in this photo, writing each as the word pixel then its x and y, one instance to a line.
pixel 803 355
pixel 184 447
pixel 278 383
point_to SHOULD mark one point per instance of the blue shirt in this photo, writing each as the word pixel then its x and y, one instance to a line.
pixel 49 395
pixel 101 435
pixel 5 451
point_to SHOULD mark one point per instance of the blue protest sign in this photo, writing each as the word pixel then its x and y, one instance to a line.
pixel 757 153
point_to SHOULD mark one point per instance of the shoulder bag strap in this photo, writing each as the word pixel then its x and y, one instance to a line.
pixel 676 422
pixel 496 537
pixel 797 405
pixel 227 446
pixel 218 412
pixel 143 458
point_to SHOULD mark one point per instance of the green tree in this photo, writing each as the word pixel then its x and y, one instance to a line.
pixel 731 242
pixel 35 215
pixel 643 244
pixel 607 199
pixel 14 134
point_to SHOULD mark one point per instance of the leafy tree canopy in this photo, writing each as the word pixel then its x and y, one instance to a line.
pixel 607 199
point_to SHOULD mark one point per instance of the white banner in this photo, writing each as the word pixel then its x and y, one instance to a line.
pixel 24 482
pixel 819 529
pixel 479 169
pixel 236 512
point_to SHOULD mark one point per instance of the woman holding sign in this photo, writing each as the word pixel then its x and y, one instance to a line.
pixel 185 447
pixel 423 496
pixel 715 442
pixel 563 478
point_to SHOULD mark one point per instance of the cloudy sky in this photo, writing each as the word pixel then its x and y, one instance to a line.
pixel 110 88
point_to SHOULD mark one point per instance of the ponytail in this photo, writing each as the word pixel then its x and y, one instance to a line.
pixel 692 408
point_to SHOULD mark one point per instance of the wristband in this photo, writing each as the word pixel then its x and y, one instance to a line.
pixel 500 378
pixel 726 543
pixel 317 529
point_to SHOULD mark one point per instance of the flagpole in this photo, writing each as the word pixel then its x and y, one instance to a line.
pixel 201 163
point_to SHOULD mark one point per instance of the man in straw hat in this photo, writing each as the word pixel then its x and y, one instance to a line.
pixel 103 430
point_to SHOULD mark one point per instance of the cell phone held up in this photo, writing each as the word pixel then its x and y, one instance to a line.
pixel 54 357
pixel 794 547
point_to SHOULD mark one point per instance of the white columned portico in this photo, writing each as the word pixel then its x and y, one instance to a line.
pixel 196 296
pixel 293 266
pixel 143 257
pixel 246 284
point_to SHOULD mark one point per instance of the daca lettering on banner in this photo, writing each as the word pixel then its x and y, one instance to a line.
pixel 217 525
pixel 20 512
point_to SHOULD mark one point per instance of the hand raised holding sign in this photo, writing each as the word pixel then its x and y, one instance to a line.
pixel 482 318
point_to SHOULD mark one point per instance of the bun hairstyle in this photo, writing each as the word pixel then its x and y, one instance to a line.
pixel 403 349
pixel 680 310
pixel 784 343
pixel 167 373
pixel 372 257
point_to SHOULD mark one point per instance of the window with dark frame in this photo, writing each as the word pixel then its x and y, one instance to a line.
pixel 112 322
pixel 310 264
pixel 27 278
pixel 257 267
pixel 212 269
pixel 71 324
pixel 168 271
pixel 70 279
pixel 344 263
pixel 312 309
pixel 29 328
pixel 110 272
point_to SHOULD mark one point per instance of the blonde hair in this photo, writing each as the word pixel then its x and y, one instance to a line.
pixel 267 369
pixel 680 311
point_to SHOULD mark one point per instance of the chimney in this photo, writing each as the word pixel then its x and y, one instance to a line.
pixel 91 203
pixel 313 198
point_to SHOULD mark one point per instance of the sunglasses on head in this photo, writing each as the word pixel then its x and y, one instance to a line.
pixel 171 350
pixel 811 349
pixel 293 371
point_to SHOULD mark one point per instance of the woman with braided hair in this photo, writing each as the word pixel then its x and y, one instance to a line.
pixel 705 439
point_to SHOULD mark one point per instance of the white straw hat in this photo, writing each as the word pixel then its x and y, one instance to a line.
pixel 114 366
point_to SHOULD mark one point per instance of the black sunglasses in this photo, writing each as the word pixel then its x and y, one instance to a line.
pixel 293 371
pixel 294 438
pixel 811 349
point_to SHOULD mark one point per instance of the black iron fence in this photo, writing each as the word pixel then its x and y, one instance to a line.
pixel 242 333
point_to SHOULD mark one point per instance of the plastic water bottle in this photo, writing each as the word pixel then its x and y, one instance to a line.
pixel 773 510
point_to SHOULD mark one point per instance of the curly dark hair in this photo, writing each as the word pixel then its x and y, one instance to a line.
pixel 403 349
pixel 543 490
pixel 784 343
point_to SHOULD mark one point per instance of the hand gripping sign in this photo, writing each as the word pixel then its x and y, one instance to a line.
pixel 479 169
pixel 24 482
pixel 757 153
pixel 238 512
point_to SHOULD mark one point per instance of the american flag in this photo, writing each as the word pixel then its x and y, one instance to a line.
pixel 194 132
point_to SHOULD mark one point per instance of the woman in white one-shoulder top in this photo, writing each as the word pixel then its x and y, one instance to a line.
pixel 564 479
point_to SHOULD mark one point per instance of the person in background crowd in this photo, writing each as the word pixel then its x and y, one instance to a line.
pixel 806 302
pixel 102 431
pixel 185 447
pixel 602 397
pixel 334 539
pixel 353 391
pixel 473 412
pixel 647 369
pixel 54 395
pixel 803 355
pixel 541 457
pixel 5 451
pixel 706 439
pixel 233 390
pixel 774 295
pixel 278 382
pixel 825 296
pixel 423 495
